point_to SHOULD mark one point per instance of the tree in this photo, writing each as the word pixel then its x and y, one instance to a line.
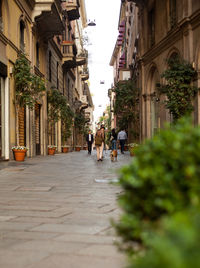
pixel 29 88
pixel 58 109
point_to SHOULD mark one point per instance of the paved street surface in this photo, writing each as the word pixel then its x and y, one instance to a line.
pixel 55 212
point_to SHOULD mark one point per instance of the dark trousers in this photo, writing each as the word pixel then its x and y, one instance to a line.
pixel 89 147
pixel 122 142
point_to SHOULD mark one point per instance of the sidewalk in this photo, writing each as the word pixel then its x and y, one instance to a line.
pixel 55 212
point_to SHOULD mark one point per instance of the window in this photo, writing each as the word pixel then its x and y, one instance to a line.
pixel 172 15
pixel 22 27
pixel 152 27
pixel 57 74
pixel 50 66
pixel 37 55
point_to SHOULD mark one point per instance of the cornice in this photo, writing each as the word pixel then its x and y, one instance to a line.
pixel 195 19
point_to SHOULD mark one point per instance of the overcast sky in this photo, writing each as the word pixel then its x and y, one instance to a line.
pixel 102 38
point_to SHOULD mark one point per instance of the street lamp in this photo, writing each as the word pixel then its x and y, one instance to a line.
pixel 91 23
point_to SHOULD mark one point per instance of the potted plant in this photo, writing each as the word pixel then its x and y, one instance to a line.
pixel 132 147
pixel 77 148
pixel 51 149
pixel 59 109
pixel 29 88
pixel 85 147
pixel 126 147
pixel 19 152
pixel 65 148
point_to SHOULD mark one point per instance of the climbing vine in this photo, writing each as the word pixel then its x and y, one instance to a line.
pixel 178 88
pixel 126 105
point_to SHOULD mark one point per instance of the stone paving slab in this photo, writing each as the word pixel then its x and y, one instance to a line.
pixel 56 211
pixel 11 259
pixel 78 261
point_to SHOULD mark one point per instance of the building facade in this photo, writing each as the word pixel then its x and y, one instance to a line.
pixel 45 31
pixel 157 31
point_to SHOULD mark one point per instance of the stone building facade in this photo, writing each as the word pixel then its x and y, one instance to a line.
pixel 158 31
pixel 45 32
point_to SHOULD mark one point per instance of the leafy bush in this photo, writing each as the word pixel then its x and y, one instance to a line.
pixel 162 179
pixel 175 245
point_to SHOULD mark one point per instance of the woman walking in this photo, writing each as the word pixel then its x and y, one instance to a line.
pixel 113 139
pixel 98 144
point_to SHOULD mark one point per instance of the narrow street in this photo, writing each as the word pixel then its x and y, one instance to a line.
pixel 55 211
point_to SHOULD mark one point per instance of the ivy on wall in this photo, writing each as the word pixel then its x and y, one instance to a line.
pixel 178 88
pixel 126 104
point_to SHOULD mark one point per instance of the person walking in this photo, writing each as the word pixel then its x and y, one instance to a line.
pixel 98 144
pixel 89 140
pixel 102 129
pixel 113 139
pixel 122 137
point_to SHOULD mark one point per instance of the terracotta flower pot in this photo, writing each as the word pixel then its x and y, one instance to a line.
pixel 77 148
pixel 65 149
pixel 19 154
pixel 84 147
pixel 51 151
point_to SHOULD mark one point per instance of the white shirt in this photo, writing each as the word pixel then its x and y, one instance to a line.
pixel 122 135
pixel 90 137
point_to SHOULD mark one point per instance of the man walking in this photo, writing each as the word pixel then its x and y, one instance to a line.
pixel 89 140
pixel 122 137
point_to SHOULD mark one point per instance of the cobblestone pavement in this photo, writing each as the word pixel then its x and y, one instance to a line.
pixel 55 212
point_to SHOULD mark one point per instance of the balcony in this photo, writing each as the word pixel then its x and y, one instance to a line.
pixel 68 54
pixel 84 75
pixel 80 61
pixel 48 17
pixel 82 57
pixel 71 8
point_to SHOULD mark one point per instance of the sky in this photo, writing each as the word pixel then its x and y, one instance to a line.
pixel 102 39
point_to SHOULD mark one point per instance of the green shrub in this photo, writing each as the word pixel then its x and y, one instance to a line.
pixel 175 245
pixel 162 179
